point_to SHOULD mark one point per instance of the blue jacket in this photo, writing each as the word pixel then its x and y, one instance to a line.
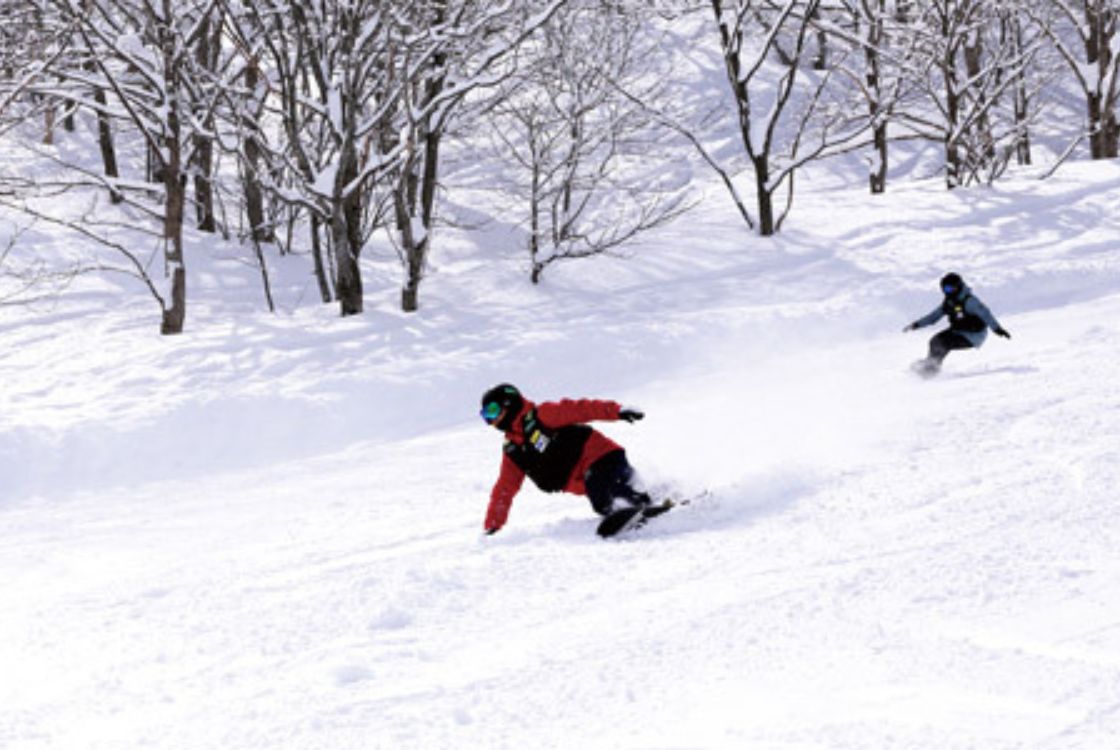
pixel 968 316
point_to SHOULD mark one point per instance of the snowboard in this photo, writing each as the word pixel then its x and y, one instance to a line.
pixel 925 368
pixel 628 519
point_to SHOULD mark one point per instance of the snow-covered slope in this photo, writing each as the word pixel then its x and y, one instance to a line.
pixel 266 532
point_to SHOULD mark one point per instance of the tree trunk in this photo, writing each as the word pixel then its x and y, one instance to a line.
pixel 535 220
pixel 1104 132
pixel 952 116
pixel 105 142
pixel 730 43
pixel 174 316
pixel 416 250
pixel 48 126
pixel 206 52
pixel 562 219
pixel 259 227
pixel 174 184
pixel 203 185
pixel 346 232
pixel 1096 126
pixel 1013 30
pixel 1101 111
pixel 264 276
pixel 413 253
pixel 410 294
pixel 765 196
pixel 350 294
pixel 317 259
pixel 982 150
pixel 877 177
pixel 820 62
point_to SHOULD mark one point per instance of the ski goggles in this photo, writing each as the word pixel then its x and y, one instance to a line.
pixel 491 412
pixel 950 288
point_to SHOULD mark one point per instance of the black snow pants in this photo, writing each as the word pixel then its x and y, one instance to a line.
pixel 946 341
pixel 609 479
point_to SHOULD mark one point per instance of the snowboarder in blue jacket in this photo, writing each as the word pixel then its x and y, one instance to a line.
pixel 969 321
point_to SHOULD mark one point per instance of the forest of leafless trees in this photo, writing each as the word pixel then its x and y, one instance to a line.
pixel 309 126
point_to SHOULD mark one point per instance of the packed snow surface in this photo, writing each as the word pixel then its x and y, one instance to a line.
pixel 267 532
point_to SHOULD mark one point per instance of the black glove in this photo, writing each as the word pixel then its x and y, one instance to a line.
pixel 630 414
pixel 910 327
pixel 1001 332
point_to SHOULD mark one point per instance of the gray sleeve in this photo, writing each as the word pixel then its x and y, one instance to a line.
pixel 928 320
pixel 980 310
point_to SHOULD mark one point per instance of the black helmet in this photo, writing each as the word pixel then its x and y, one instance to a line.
pixel 951 284
pixel 501 405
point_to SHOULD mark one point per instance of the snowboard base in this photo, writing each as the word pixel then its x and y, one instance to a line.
pixel 925 368
pixel 628 519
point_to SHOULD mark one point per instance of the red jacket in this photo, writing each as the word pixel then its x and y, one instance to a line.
pixel 553 414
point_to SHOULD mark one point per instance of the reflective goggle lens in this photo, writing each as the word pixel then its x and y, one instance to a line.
pixel 491 411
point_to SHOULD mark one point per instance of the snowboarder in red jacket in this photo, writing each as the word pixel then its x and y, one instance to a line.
pixel 550 444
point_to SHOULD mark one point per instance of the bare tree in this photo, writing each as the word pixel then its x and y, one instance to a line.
pixel 142 52
pixel 878 69
pixel 31 42
pixel 321 70
pixel 967 74
pixel 1013 34
pixel 583 154
pixel 251 153
pixel 1084 32
pixel 466 47
pixel 785 117
pixel 207 49
pixel 873 14
pixel 365 90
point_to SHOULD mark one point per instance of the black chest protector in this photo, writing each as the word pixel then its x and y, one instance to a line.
pixel 959 318
pixel 548 456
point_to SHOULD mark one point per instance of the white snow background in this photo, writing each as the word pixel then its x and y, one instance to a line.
pixel 267 532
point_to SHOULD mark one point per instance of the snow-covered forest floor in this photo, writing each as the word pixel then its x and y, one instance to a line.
pixel 266 532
